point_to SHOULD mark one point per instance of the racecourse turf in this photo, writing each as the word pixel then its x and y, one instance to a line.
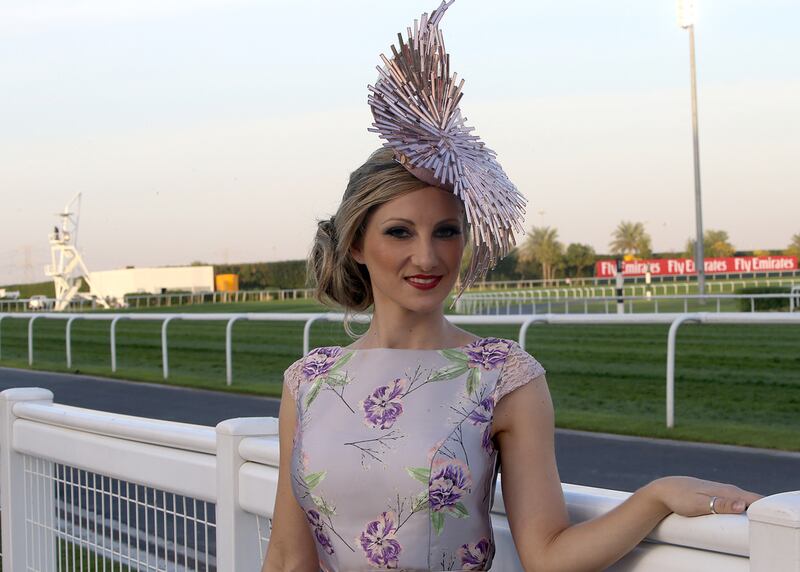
pixel 736 384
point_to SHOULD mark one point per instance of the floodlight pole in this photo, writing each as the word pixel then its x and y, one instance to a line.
pixel 686 21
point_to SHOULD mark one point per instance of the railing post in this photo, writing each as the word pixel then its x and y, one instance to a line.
pixel 68 339
pixel 671 340
pixel 30 339
pixel 1 337
pixel 113 338
pixel 164 352
pixel 12 481
pixel 237 529
pixel 307 334
pixel 774 533
pixel 229 350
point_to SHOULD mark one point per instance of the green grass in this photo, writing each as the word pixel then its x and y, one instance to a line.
pixel 737 384
pixel 81 559
pixel 91 560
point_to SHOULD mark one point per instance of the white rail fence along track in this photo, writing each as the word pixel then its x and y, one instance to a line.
pixel 633 284
pixel 84 490
pixel 758 277
pixel 586 300
pixel 308 319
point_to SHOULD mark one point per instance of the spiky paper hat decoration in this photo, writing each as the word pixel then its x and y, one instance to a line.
pixel 415 106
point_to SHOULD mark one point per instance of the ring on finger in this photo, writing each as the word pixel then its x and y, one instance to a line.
pixel 711 505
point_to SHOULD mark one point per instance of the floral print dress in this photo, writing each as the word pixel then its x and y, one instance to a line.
pixel 393 461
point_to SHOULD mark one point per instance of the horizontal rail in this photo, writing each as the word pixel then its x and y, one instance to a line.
pixel 188 436
pixel 164 467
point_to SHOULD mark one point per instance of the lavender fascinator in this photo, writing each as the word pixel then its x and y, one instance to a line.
pixel 415 104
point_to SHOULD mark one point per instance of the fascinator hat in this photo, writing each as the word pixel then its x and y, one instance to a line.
pixel 415 104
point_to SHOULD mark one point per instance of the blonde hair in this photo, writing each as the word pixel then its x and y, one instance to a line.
pixel 332 271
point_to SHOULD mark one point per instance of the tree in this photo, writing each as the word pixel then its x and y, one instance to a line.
pixel 715 245
pixel 794 246
pixel 580 256
pixel 541 245
pixel 631 238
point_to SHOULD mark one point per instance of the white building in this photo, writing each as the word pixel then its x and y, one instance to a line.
pixel 117 283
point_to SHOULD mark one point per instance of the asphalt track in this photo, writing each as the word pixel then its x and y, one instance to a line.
pixel 601 460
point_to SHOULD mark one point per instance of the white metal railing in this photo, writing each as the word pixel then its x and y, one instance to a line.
pixel 598 300
pixel 176 496
pixel 669 278
pixel 523 321
pixel 218 297
pixel 169 299
pixel 663 284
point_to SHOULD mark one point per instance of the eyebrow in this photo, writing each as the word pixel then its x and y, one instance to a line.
pixel 411 222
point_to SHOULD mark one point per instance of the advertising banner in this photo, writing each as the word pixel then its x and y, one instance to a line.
pixel 685 266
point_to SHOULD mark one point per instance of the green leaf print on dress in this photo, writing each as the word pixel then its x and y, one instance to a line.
pixel 314 479
pixel 322 366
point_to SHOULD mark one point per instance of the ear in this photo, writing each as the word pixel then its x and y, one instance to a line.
pixel 356 252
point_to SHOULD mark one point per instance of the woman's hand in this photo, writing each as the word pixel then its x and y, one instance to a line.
pixel 688 496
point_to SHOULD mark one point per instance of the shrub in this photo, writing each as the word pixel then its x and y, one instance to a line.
pixel 764 304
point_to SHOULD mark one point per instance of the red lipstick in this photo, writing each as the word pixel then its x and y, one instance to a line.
pixel 423 281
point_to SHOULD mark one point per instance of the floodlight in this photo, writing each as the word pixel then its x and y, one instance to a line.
pixel 686 13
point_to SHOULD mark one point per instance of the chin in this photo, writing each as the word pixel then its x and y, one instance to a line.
pixel 424 301
pixel 433 304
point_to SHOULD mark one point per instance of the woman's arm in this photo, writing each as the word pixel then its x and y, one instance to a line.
pixel 535 505
pixel 291 546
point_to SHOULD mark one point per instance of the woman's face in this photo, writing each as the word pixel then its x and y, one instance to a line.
pixel 412 247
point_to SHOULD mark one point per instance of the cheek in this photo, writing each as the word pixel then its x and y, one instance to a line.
pixel 452 252
pixel 386 253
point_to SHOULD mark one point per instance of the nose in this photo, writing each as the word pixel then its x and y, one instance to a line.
pixel 424 255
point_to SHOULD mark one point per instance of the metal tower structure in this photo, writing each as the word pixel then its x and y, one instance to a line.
pixel 66 263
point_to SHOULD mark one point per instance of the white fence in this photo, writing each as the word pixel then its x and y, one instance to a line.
pixel 587 300
pixel 81 489
pixel 524 322
pixel 169 299
pixel 759 277
pixel 580 287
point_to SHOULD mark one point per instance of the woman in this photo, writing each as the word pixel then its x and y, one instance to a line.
pixel 349 486
pixel 390 447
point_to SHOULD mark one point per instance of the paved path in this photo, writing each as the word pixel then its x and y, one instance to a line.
pixel 608 461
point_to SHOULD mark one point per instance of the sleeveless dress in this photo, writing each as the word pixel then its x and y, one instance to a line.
pixel 393 461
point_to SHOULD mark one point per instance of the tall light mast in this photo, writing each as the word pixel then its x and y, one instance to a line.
pixel 686 18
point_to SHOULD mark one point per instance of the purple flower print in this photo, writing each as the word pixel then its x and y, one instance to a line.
pixel 382 407
pixel 319 361
pixel 486 440
pixel 379 543
pixel 323 539
pixel 483 414
pixel 487 353
pixel 450 479
pixel 474 556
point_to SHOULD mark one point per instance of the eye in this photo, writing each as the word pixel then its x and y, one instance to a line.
pixel 397 232
pixel 448 231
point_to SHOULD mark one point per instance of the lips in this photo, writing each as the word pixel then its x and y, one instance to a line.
pixel 423 281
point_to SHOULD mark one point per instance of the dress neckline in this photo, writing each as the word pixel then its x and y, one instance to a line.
pixel 461 347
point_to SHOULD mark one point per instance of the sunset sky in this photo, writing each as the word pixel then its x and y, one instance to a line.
pixel 220 130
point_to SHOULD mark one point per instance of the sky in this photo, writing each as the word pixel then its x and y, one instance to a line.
pixel 221 130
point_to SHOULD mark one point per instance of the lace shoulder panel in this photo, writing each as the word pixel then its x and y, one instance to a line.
pixel 520 368
pixel 292 377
